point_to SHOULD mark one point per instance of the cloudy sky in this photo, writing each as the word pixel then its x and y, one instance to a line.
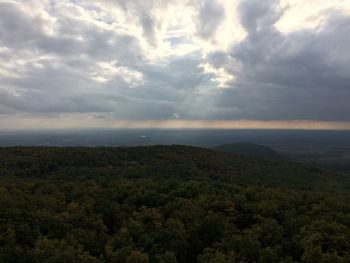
pixel 174 63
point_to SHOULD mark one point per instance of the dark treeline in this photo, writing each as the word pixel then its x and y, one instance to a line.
pixel 168 204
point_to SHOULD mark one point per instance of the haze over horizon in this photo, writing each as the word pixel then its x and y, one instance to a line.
pixel 174 64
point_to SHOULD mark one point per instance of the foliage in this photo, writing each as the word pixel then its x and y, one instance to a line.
pixel 168 204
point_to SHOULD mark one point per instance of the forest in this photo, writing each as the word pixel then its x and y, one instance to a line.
pixel 168 204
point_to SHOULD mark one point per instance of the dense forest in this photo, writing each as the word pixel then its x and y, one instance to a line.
pixel 168 204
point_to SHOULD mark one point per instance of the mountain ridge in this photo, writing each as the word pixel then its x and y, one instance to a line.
pixel 249 149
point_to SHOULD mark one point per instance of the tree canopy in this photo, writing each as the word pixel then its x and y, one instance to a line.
pixel 168 204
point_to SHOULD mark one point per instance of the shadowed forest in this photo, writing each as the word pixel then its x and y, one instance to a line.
pixel 168 204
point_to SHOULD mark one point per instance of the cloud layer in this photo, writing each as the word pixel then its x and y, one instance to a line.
pixel 175 59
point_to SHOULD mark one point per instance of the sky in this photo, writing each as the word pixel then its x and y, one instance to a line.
pixel 174 64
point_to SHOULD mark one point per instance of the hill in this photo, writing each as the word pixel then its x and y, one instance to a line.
pixel 168 204
pixel 248 149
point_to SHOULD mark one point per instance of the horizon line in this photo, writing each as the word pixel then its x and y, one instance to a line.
pixel 90 122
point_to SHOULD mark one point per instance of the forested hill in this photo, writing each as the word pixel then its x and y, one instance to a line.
pixel 248 149
pixel 168 204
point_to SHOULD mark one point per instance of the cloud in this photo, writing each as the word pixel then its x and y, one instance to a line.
pixel 211 15
pixel 192 60
pixel 257 16
pixel 299 75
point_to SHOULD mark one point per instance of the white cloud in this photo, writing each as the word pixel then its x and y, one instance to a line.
pixel 106 71
pixel 307 14
pixel 221 77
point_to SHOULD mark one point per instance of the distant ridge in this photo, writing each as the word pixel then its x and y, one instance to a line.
pixel 248 149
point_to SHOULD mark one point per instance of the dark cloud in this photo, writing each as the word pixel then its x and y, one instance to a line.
pixel 303 74
pixel 16 27
pixel 258 15
pixel 145 13
pixel 211 15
